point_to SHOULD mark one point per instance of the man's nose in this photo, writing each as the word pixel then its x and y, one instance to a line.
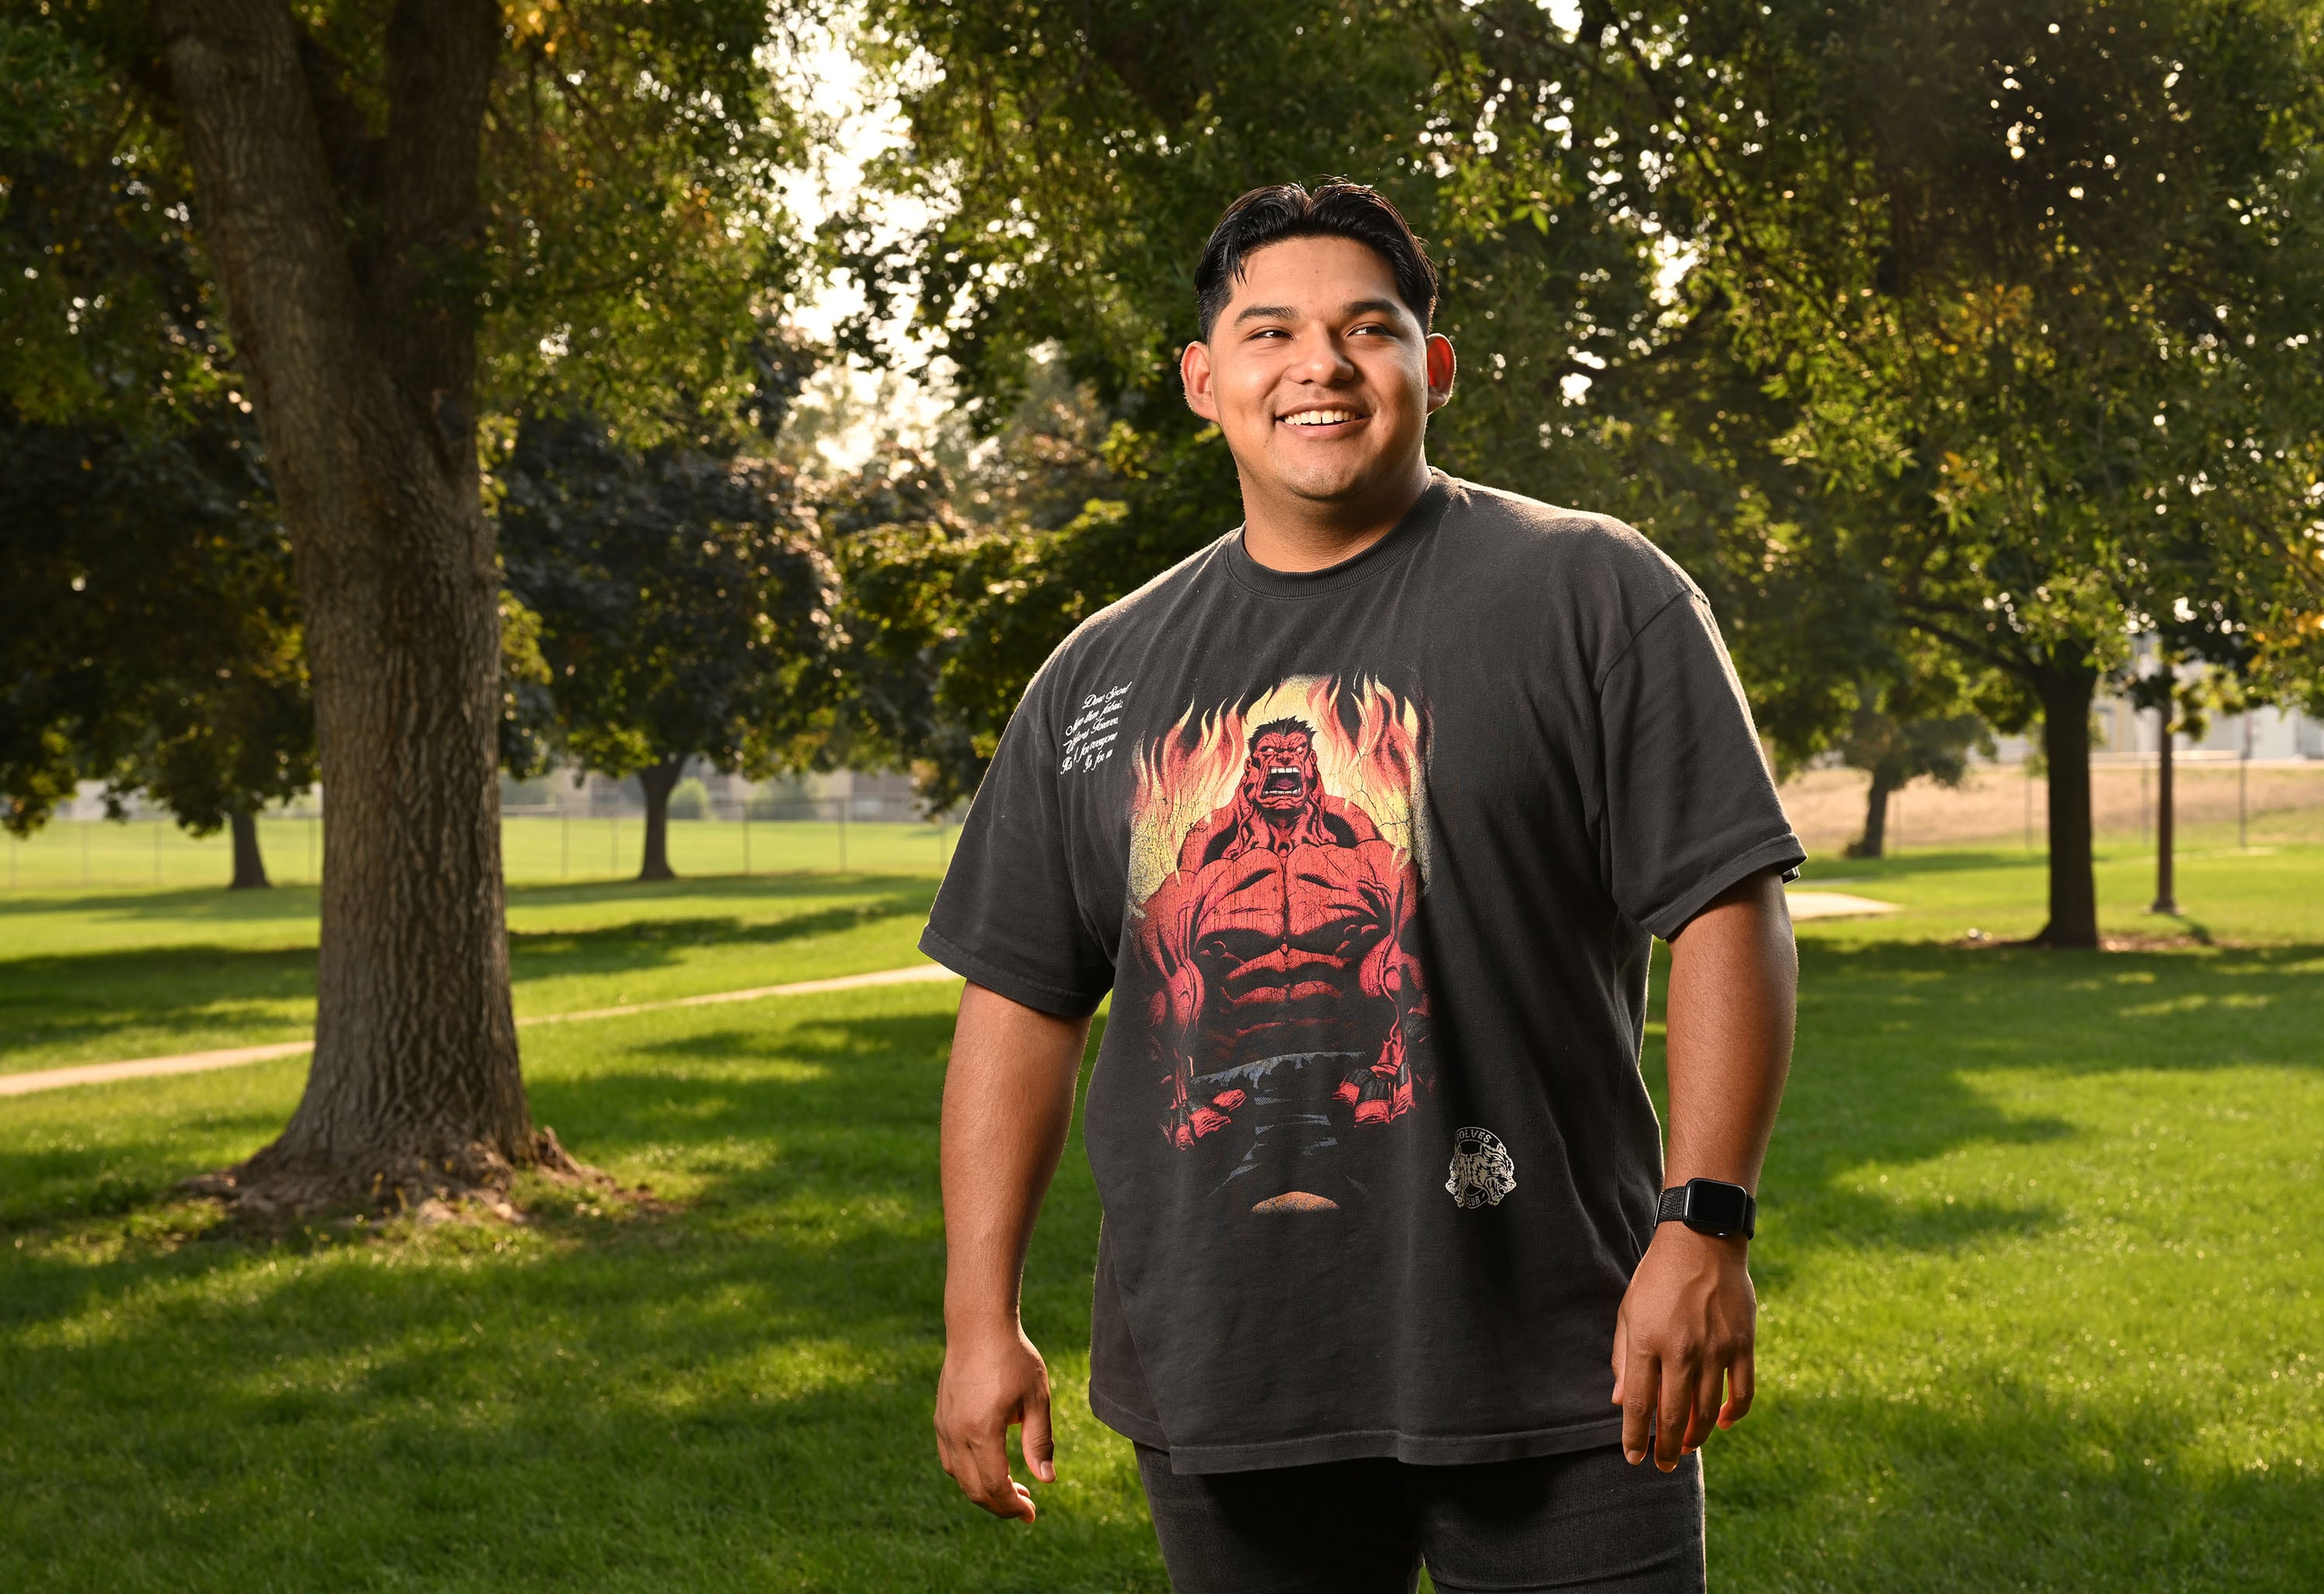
pixel 1322 358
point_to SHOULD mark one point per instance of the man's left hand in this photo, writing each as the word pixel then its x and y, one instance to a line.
pixel 1685 1330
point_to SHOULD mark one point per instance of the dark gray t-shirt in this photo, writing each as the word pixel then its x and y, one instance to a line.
pixel 1371 859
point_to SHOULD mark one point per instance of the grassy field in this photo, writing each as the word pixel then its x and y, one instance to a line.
pixel 141 854
pixel 2039 1283
pixel 91 977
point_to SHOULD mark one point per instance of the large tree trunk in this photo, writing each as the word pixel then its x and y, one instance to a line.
pixel 658 781
pixel 344 257
pixel 2166 825
pixel 2066 697
pixel 249 865
pixel 1875 818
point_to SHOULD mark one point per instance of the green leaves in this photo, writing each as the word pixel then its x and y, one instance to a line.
pixel 674 597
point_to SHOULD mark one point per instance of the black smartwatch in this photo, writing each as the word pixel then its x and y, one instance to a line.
pixel 1711 1206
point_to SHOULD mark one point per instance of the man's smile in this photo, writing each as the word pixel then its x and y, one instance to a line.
pixel 1322 417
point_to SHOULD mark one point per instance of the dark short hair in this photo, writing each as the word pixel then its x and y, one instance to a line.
pixel 1284 727
pixel 1334 210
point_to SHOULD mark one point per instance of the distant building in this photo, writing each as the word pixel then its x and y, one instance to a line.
pixel 2122 731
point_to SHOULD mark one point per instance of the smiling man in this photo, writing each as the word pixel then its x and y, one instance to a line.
pixel 1366 816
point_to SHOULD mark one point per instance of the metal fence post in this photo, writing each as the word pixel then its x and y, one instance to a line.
pixel 2243 789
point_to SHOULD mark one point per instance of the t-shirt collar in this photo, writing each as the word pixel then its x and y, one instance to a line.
pixel 1423 514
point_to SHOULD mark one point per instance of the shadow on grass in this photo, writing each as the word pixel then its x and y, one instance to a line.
pixel 733 1396
pixel 737 1395
pixel 1892 1032
pixel 208 995
pixel 190 906
pixel 803 883
pixel 1996 1485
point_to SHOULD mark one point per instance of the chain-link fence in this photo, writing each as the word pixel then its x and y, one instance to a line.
pixel 2220 801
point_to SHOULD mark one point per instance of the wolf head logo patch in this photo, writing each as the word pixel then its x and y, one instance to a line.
pixel 1483 1171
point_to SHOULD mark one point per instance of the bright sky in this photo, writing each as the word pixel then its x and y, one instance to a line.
pixel 864 124
pixel 836 85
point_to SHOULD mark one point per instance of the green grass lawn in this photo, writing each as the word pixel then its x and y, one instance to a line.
pixel 2039 1283
pixel 91 977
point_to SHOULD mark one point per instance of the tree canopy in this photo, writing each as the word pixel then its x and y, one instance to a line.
pixel 149 628
pixel 683 606
pixel 1968 325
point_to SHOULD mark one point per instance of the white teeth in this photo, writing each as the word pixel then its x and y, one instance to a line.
pixel 1319 417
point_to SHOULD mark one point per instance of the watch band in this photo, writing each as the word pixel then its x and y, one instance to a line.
pixel 1710 1206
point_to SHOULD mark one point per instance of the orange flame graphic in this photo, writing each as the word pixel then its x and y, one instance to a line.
pixel 1369 747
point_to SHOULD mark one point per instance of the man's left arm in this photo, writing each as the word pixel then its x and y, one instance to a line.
pixel 1687 1324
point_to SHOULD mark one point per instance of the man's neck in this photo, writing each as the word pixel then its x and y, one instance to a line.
pixel 1288 533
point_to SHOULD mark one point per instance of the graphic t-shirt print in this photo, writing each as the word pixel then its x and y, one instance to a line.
pixel 1279 853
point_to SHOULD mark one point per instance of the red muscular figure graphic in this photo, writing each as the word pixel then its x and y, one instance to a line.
pixel 1289 999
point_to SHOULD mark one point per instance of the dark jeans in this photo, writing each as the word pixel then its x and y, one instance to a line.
pixel 1585 1520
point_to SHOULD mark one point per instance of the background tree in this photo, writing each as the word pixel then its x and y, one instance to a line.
pixel 1897 747
pixel 149 633
pixel 683 607
pixel 1867 314
pixel 410 210
pixel 2033 287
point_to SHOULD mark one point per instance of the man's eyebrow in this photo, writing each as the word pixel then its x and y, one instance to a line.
pixel 1284 312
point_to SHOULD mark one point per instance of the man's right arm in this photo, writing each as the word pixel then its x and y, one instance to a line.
pixel 1008 1104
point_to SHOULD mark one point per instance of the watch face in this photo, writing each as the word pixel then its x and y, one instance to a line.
pixel 1714 1207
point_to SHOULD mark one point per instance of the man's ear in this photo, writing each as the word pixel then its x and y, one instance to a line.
pixel 1441 370
pixel 1194 375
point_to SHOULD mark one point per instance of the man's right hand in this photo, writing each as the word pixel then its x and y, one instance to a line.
pixel 992 1379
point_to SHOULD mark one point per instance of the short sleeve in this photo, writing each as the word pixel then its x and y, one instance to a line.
pixel 1689 807
pixel 1007 916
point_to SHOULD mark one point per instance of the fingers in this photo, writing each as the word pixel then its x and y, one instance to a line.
pixel 1039 1450
pixel 1639 1394
pixel 1739 1392
pixel 1621 1353
pixel 1702 1418
pixel 1672 1408
pixel 973 1418
pixel 979 1465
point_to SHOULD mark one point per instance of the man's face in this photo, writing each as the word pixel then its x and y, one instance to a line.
pixel 1280 777
pixel 1319 375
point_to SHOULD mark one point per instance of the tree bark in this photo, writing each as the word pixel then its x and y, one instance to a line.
pixel 2166 896
pixel 343 256
pixel 1875 818
pixel 658 781
pixel 2066 694
pixel 249 864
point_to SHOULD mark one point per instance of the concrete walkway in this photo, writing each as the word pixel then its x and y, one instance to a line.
pixel 1835 905
pixel 92 1073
